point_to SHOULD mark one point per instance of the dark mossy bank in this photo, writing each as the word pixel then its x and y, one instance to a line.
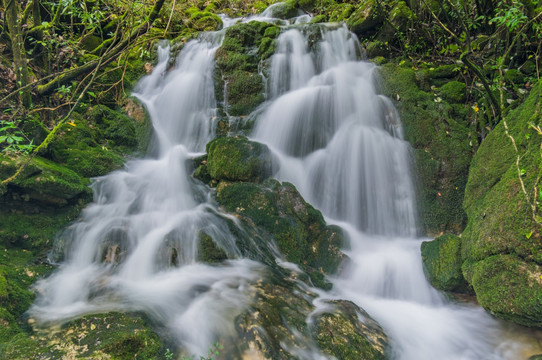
pixel 499 250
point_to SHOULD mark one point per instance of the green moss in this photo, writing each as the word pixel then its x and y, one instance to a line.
pixel 500 218
pixel 339 334
pixel 442 149
pixel 244 92
pixel 279 211
pixel 43 181
pixel 366 17
pixel 285 10
pixel 237 61
pixel 204 20
pixel 443 72
pixel 442 263
pixel 96 144
pixel 454 92
pixel 515 77
pixel 238 159
pixel 208 251
pixel 108 336
pixel 509 288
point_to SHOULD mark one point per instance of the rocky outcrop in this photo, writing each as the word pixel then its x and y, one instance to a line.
pixel 239 85
pixel 500 251
pixel 439 133
pixel 271 215
pixel 442 263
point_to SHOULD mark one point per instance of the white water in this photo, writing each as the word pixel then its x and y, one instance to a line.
pixel 136 247
pixel 341 144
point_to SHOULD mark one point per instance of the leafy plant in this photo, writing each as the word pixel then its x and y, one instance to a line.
pixel 12 139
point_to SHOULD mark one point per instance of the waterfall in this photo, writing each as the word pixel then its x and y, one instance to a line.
pixel 135 248
pixel 341 144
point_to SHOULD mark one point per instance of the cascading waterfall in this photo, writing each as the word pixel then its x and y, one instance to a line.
pixel 136 247
pixel 342 145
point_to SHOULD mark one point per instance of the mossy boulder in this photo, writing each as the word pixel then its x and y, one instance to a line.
pixel 238 159
pixel 42 181
pixel 97 143
pixel 501 247
pixel 442 263
pixel 341 334
pixel 454 92
pixel 501 219
pixel 509 288
pixel 366 17
pixel 441 139
pixel 276 324
pixel 102 336
pixel 279 213
pixel 244 46
pixel 204 20
pixel 283 10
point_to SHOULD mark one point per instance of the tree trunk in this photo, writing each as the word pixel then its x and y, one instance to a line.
pixel 17 48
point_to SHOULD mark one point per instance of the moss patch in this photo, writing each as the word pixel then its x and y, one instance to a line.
pixel 95 144
pixel 442 150
pixel 238 159
pixel 299 230
pixel 500 218
pixel 509 288
pixel 237 61
pixel 442 263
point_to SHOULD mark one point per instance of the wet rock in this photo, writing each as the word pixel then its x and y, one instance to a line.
pixel 238 159
pixel 442 263
pixel 278 211
pixel 276 327
pixel 509 288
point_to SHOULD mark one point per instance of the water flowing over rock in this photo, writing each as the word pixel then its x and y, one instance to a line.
pixel 242 259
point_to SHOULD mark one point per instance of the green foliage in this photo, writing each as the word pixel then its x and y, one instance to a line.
pixel 510 14
pixel 13 139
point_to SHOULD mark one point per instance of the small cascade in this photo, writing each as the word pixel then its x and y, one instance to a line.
pixel 343 142
pixel 136 248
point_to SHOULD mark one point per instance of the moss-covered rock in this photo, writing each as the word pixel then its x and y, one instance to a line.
pixel 208 251
pixel 104 336
pixel 276 324
pixel 500 216
pixel 442 147
pixel 280 213
pixel 509 288
pixel 454 92
pixel 442 263
pixel 283 10
pixel 366 17
pixel 238 159
pixel 95 144
pixel 237 61
pixel 501 247
pixel 340 333
pixel 42 181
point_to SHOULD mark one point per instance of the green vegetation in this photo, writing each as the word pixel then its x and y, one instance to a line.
pixel 238 159
pixel 442 141
pixel 244 46
pixel 442 263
